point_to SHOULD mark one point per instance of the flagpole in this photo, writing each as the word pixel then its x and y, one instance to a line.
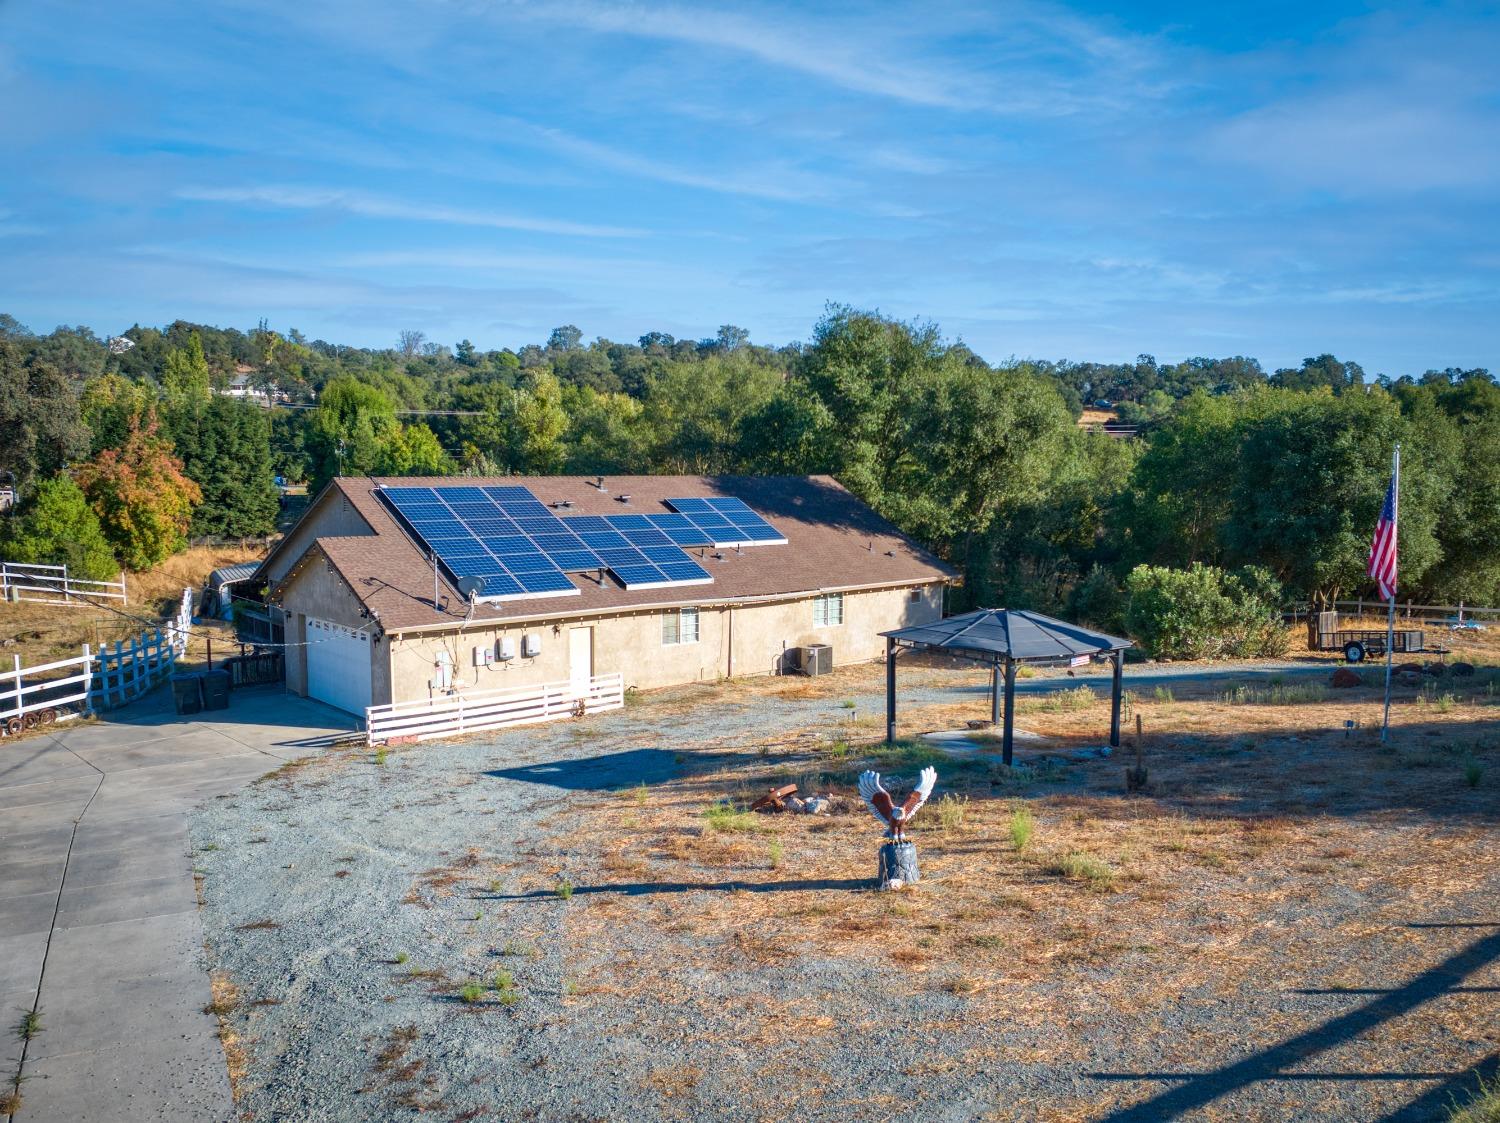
pixel 1390 620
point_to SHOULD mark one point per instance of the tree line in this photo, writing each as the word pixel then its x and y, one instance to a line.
pixel 1261 487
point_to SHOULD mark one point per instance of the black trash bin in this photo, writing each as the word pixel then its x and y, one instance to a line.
pixel 187 692
pixel 216 686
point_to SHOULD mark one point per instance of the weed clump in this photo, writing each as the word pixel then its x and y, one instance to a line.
pixel 952 810
pixel 1079 865
pixel 1022 827
pixel 728 818
pixel 564 888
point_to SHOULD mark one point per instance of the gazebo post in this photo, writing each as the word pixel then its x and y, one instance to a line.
pixel 890 691
pixel 1118 657
pixel 1010 710
pixel 995 694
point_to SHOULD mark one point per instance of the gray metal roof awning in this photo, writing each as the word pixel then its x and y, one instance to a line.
pixel 232 574
pixel 1010 634
pixel 1005 638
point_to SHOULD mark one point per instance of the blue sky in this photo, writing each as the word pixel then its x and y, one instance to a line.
pixel 1088 181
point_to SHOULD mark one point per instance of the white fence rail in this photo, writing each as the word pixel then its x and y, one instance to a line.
pixel 50 584
pixel 102 680
pixel 453 714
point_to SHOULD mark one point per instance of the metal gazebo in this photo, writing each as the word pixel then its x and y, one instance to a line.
pixel 1003 639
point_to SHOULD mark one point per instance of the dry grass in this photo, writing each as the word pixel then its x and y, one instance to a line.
pixel 42 633
pixel 225 998
pixel 1031 875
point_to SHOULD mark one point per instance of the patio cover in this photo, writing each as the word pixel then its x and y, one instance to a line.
pixel 1005 638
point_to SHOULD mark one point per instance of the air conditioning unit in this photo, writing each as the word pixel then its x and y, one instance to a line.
pixel 815 659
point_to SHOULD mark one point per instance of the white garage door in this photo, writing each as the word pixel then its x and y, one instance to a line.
pixel 338 665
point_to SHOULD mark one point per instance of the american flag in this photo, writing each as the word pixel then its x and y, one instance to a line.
pixel 1383 548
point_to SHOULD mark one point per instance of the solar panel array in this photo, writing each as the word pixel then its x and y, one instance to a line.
pixel 503 536
pixel 728 521
pixel 636 552
pixel 515 546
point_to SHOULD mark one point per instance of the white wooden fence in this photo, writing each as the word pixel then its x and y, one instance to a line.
pixel 50 584
pixel 102 680
pixel 453 714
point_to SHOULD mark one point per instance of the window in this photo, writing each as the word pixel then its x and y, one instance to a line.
pixel 916 596
pixel 680 626
pixel 828 610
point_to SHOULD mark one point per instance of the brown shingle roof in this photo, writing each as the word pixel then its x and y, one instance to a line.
pixel 833 542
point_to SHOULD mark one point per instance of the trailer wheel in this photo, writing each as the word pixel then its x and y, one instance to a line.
pixel 48 717
pixel 1354 651
pixel 13 726
pixel 29 721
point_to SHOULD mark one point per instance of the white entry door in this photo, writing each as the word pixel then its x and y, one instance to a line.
pixel 580 660
pixel 338 665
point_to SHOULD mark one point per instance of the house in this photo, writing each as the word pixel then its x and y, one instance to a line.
pixel 405 589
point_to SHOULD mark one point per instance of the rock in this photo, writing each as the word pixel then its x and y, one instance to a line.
pixel 1343 678
pixel 795 805
pixel 1462 670
pixel 980 724
pixel 817 805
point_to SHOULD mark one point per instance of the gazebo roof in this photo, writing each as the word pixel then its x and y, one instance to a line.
pixel 1014 634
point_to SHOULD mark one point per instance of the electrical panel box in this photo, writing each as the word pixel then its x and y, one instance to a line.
pixel 484 655
pixel 507 648
pixel 531 646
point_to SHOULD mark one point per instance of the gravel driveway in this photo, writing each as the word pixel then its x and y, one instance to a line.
pixel 350 901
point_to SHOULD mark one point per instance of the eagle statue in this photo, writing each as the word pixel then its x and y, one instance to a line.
pixel 884 807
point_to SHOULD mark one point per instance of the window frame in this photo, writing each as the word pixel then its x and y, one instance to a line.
pixel 822 617
pixel 673 632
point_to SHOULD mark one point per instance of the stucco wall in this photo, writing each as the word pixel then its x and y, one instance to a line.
pixel 333 516
pixel 733 641
pixel 317 591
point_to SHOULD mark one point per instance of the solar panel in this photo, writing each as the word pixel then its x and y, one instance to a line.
pixel 518 547
pixel 726 520
pixel 472 536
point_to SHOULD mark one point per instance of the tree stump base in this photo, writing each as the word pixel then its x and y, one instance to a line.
pixel 898 865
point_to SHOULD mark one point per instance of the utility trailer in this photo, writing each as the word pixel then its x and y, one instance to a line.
pixel 1359 644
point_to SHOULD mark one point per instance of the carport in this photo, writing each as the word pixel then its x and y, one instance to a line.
pixel 1003 639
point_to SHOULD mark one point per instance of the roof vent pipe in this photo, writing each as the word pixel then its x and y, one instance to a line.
pixel 600 484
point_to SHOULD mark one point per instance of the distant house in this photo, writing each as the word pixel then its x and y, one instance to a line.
pixel 409 589
pixel 241 386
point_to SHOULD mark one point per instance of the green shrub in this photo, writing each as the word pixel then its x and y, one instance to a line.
pixel 1204 612
pixel 1097 600
pixel 58 527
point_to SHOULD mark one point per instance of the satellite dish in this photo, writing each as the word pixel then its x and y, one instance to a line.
pixel 468 587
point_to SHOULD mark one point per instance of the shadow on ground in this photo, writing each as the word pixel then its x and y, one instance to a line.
pixel 612 771
pixel 1283 1060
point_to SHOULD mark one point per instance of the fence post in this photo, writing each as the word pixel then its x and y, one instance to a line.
pixel 119 672
pixel 20 703
pixel 88 679
pixel 124 593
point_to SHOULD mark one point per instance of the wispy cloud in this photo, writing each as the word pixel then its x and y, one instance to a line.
pixel 817 51
pixel 787 184
pixel 376 206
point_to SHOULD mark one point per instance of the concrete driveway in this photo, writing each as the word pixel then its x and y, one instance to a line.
pixel 99 926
